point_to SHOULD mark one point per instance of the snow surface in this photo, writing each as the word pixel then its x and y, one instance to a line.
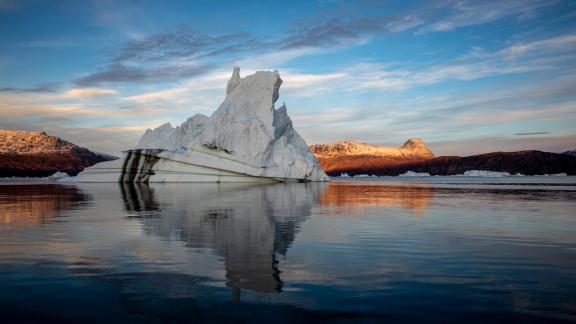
pixel 245 136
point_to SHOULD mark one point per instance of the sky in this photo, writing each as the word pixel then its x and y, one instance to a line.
pixel 466 76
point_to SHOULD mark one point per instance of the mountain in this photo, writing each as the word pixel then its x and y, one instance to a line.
pixel 523 162
pixel 354 157
pixel 571 153
pixel 33 154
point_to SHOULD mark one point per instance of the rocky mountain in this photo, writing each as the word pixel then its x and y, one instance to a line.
pixel 523 162
pixel 33 154
pixel 355 157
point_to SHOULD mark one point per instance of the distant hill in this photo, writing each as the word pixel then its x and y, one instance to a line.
pixel 32 154
pixel 523 162
pixel 571 153
pixel 355 157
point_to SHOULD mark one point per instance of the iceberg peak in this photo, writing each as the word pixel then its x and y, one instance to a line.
pixel 234 80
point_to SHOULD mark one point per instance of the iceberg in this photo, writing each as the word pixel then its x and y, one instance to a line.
pixel 54 177
pixel 414 174
pixel 485 173
pixel 246 139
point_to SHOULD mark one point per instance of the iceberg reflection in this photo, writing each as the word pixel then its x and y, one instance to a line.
pixel 248 226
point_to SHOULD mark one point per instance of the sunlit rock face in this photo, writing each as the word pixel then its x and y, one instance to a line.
pixel 246 139
pixel 357 158
pixel 36 154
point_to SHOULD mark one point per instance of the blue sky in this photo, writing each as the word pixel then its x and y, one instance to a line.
pixel 466 76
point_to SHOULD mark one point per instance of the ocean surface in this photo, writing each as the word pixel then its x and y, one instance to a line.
pixel 434 249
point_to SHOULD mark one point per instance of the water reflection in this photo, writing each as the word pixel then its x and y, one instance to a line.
pixel 189 252
pixel 247 225
pixel 359 196
pixel 24 206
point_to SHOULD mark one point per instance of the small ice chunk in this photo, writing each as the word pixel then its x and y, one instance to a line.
pixel 414 174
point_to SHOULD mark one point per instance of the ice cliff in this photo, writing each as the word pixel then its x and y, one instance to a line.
pixel 245 136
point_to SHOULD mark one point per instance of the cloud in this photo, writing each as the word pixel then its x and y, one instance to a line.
pixel 38 89
pixel 184 42
pixel 533 133
pixel 86 123
pixel 478 145
pixel 477 108
pixel 117 72
pixel 80 93
pixel 161 52
pixel 538 55
pixel 485 116
pixel 555 45
pixel 449 15
pixel 335 32
pixel 187 42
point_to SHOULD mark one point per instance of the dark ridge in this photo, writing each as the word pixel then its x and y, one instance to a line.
pixel 524 162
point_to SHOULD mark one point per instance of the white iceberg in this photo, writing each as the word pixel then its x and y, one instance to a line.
pixel 54 177
pixel 563 174
pixel 245 140
pixel 485 173
pixel 58 175
pixel 414 174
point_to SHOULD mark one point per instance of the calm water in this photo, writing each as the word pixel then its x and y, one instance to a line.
pixel 411 250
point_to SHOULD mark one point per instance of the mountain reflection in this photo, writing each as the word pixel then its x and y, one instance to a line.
pixel 24 206
pixel 247 225
pixel 356 197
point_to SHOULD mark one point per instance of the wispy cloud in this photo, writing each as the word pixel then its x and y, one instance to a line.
pixel 477 145
pixel 162 51
pixel 335 32
pixel 449 15
pixel 41 88
pixel 510 105
pixel 554 45
pixel 184 41
pixel 117 72
pixel 86 122
pixel 538 55
pixel 532 133
pixel 80 93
